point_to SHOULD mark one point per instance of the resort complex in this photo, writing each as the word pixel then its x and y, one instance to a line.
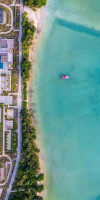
pixel 9 91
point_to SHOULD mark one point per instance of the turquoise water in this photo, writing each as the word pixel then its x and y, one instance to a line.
pixel 68 111
pixel 1 64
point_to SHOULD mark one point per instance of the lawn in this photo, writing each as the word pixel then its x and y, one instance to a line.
pixel 4 28
pixel 13 141
pixel 15 81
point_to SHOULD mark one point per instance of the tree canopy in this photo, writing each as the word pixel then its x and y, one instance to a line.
pixel 27 37
pixel 35 3
pixel 28 174
pixel 26 185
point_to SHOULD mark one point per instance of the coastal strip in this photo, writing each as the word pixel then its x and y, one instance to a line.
pixel 29 180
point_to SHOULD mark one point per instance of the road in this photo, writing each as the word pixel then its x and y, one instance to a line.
pixel 19 108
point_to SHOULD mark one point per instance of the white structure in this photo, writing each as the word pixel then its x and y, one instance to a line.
pixel 10 113
pixel 9 124
pixel 8 140
pixel 6 52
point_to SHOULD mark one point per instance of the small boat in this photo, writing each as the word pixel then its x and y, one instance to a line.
pixel 65 77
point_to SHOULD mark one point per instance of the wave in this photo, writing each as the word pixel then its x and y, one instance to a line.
pixel 77 27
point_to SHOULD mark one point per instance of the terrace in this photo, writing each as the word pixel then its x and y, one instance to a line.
pixel 6 82
pixel 10 113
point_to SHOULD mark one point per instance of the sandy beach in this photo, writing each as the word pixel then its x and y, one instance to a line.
pixel 37 18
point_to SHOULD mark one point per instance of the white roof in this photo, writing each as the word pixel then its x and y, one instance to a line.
pixel 10 113
pixel 4 50
pixel 10 57
pixel 10 43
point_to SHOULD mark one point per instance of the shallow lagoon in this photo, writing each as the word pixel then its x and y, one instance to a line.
pixel 68 111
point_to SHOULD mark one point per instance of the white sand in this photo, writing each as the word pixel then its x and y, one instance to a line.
pixel 38 18
pixel 33 16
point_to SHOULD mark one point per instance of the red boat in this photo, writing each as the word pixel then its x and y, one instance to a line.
pixel 65 77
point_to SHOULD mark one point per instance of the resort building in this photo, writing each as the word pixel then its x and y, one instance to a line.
pixel 6 53
pixel 9 124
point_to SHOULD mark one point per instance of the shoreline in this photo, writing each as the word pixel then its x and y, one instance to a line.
pixel 32 52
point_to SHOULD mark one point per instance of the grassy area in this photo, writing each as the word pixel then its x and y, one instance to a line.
pixel 8 18
pixel 4 28
pixel 25 91
pixel 10 35
pixel 16 51
pixel 13 9
pixel 14 81
pixel 1 129
pixel 6 138
pixel 13 141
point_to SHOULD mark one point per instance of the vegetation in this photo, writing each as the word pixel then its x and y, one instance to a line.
pixel 1 128
pixel 34 3
pixel 29 168
pixel 28 176
pixel 40 177
pixel 27 37
pixel 14 81
pixel 15 125
pixel 3 74
pixel 13 141
pixel 24 91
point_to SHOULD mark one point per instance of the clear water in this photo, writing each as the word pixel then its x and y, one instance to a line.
pixel 68 111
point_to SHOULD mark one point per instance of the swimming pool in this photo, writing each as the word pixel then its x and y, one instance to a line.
pixel 1 64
